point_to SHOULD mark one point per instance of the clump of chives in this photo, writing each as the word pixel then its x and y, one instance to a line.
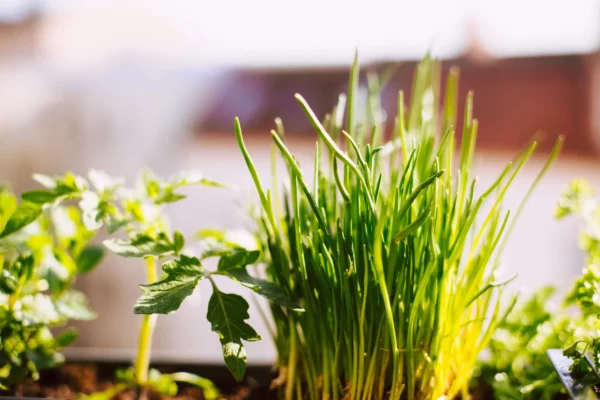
pixel 391 249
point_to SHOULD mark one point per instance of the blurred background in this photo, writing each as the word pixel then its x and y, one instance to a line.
pixel 120 85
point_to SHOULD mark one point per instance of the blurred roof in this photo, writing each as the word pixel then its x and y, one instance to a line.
pixel 271 33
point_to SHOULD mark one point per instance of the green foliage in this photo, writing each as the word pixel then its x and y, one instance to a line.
pixel 391 247
pixel 42 249
pixel 25 214
pixel 144 245
pixel 227 313
pixel 182 275
pixel 105 201
pixel 579 200
pixel 139 213
pixel 166 295
pixel 517 366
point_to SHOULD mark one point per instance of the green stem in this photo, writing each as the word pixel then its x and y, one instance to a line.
pixel 142 361
pixel 291 377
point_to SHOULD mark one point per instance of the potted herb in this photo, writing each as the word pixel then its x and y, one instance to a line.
pixel 392 248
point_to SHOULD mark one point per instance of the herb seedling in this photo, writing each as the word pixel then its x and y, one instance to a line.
pixel 392 249
pixel 41 253
pixel 140 214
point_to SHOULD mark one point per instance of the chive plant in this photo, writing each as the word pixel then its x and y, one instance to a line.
pixel 390 245
pixel 41 253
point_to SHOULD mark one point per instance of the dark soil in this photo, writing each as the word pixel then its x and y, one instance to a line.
pixel 72 380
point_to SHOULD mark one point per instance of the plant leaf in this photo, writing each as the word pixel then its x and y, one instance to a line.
pixel 40 196
pixel 8 205
pixel 168 196
pixel 166 296
pixel 66 337
pixel 45 180
pixel 178 241
pixel 227 313
pixel 238 258
pixel 139 247
pixel 92 210
pixel 114 224
pixel 193 178
pixel 89 258
pixel 39 309
pixel 264 288
pixel 25 214
pixel 73 305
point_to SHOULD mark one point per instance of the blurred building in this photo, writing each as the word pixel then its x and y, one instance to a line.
pixel 119 85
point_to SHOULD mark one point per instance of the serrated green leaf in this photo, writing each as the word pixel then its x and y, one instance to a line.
pixel 72 304
pixel 166 295
pixel 227 313
pixel 25 214
pixel 264 288
pixel 238 258
pixel 139 247
pixel 89 258
pixel 40 196
pixel 184 265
